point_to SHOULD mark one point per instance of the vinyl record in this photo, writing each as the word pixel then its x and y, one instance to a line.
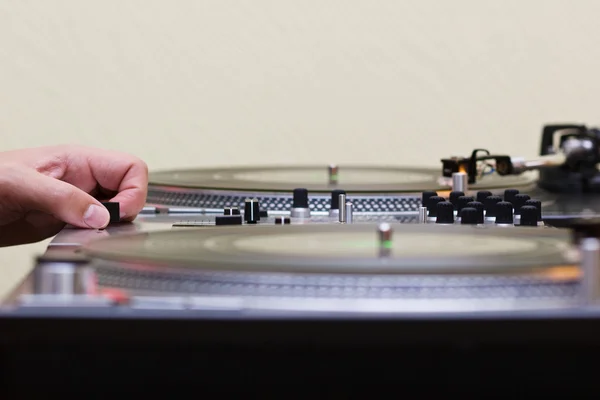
pixel 344 249
pixel 317 179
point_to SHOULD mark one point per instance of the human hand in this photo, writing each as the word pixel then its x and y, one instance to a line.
pixel 43 189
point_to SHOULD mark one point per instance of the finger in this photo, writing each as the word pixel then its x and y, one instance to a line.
pixel 29 230
pixel 62 200
pixel 121 173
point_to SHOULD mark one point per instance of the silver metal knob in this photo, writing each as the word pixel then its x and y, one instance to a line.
pixel 384 232
pixel 460 182
pixel 63 278
pixel 422 215
pixel 590 267
pixel 349 212
pixel 342 216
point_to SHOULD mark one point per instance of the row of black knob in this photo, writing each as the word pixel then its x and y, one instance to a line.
pixel 474 210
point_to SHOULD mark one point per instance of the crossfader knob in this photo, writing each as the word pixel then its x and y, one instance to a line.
pixel 251 211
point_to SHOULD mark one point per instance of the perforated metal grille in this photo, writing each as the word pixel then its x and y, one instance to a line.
pixel 269 202
pixel 408 287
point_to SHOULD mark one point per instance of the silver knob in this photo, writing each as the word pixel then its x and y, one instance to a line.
pixel 63 278
pixel 460 182
pixel 349 212
pixel 590 267
pixel 384 232
pixel 342 216
pixel 422 215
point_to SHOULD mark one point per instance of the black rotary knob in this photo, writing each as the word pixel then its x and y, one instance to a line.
pixel 537 204
pixel 490 205
pixel 251 211
pixel 504 212
pixel 453 197
pixel 425 196
pixel 432 203
pixel 463 201
pixel 445 213
pixel 482 195
pixel 469 216
pixel 282 220
pixel 518 202
pixel 529 216
pixel 509 194
pixel 300 198
pixel 478 206
pixel 335 199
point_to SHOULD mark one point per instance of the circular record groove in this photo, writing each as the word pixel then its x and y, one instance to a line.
pixel 354 179
pixel 343 249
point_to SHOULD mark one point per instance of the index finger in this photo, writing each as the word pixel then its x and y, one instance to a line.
pixel 122 173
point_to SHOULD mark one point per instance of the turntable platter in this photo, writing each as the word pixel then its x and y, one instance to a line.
pixel 355 179
pixel 343 249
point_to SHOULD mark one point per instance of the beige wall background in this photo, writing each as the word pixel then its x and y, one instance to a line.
pixel 200 83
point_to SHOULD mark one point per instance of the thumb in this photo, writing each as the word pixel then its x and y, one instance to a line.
pixel 63 200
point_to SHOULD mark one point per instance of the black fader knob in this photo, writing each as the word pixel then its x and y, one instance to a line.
pixel 335 199
pixel 469 216
pixel 529 216
pixel 445 213
pixel 425 196
pixel 114 211
pixel 518 202
pixel 504 213
pixel 463 201
pixel 537 204
pixel 280 220
pixel 251 211
pixel 231 211
pixel 509 194
pixel 453 197
pixel 482 195
pixel 228 220
pixel 479 208
pixel 490 205
pixel 432 203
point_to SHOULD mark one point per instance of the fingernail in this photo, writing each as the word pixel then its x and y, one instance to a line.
pixel 96 217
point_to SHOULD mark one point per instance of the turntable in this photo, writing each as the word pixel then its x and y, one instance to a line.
pixel 484 261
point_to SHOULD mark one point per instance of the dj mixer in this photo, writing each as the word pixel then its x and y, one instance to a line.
pixel 486 268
